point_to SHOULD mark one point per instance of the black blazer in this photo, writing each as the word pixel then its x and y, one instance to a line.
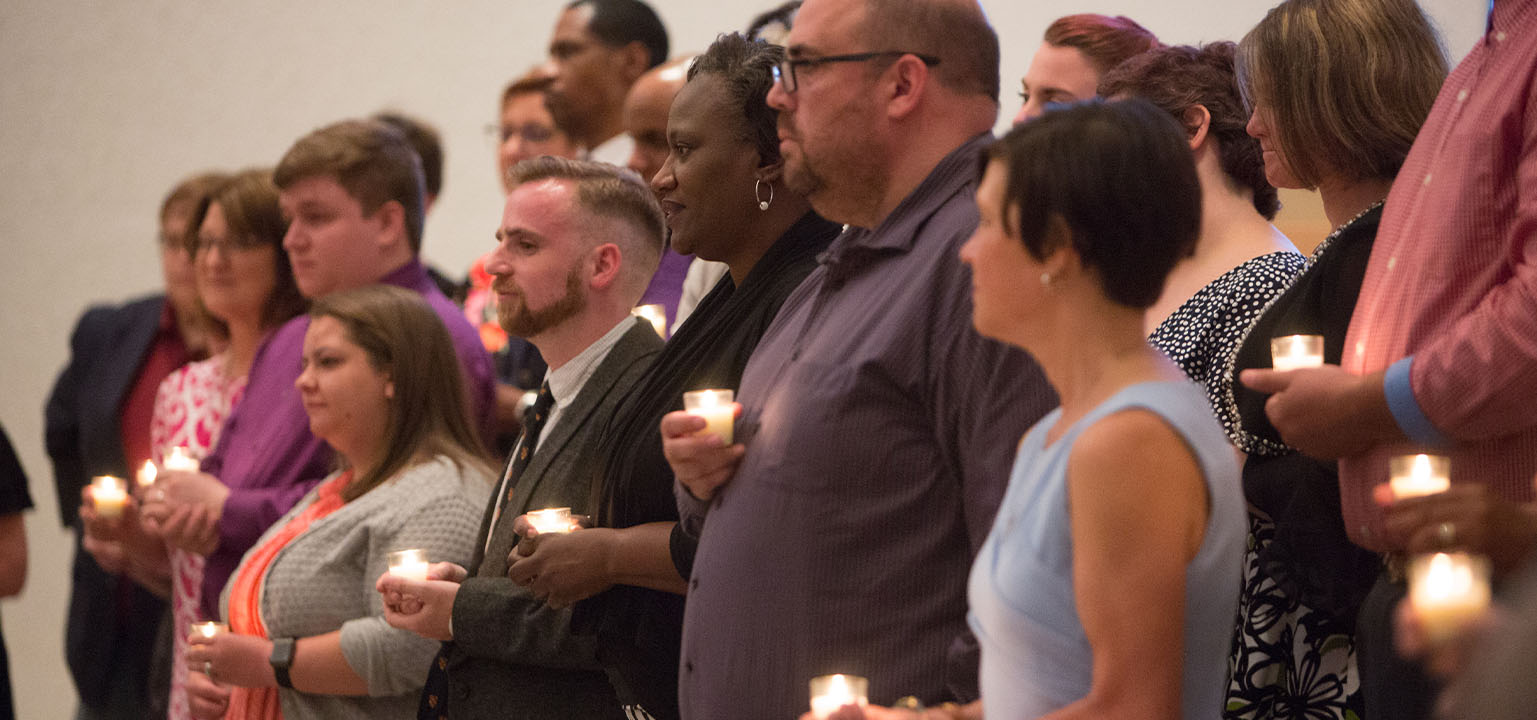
pixel 84 439
pixel 514 656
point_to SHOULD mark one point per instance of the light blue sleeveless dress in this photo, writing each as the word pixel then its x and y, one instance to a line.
pixel 1035 657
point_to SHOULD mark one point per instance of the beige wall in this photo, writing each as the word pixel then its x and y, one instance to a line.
pixel 103 105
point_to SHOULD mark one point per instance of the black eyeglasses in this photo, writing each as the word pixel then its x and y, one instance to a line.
pixel 784 72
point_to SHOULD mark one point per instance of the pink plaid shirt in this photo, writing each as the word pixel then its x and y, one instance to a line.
pixel 1449 302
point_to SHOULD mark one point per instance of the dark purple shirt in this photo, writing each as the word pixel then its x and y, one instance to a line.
pixel 879 428
pixel 266 455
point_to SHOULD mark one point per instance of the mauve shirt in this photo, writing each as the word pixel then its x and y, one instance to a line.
pixel 879 428
pixel 266 455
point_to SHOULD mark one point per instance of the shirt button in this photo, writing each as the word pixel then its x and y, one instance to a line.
pixel 694 584
pixel 688 665
pixel 1366 532
pixel 1500 36
pixel 1392 262
pixel 1427 178
pixel 1462 95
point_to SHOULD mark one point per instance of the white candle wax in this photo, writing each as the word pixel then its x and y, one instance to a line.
pixel 409 564
pixel 656 314
pixel 1446 591
pixel 716 409
pixel 209 628
pixel 830 692
pixel 146 476
pixel 180 459
pixel 551 520
pixel 109 494
pixel 1292 352
pixel 1417 475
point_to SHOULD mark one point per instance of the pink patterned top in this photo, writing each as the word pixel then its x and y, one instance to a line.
pixel 190 409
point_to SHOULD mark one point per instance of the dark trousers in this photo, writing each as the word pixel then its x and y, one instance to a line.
pixel 1394 688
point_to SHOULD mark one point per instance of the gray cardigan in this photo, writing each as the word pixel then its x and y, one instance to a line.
pixel 324 580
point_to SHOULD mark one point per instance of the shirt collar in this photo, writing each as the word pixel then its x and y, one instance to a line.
pixel 567 380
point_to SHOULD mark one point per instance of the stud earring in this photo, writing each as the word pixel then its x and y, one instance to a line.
pixel 757 195
pixel 1045 279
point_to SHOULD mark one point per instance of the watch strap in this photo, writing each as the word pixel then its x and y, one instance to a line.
pixel 282 659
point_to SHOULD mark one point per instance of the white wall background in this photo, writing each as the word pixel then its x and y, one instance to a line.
pixel 104 105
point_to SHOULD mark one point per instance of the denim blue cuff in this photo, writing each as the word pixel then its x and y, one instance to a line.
pixel 1406 410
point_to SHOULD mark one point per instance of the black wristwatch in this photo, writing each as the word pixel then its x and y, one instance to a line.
pixel 282 659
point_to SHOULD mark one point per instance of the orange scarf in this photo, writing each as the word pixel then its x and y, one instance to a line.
pixel 245 597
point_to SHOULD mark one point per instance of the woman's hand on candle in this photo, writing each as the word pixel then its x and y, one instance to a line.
pixel 702 464
pixel 193 488
pixel 1324 411
pixel 563 568
pixel 1480 523
pixel 207 699
pixel 422 607
pixel 235 659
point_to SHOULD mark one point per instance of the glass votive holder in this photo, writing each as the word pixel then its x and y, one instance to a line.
pixel 209 628
pixel 830 692
pixel 409 564
pixel 1447 591
pixel 109 494
pixel 551 520
pixel 716 409
pixel 1293 352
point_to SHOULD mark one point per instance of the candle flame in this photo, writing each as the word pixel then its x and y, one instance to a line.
pixel 147 474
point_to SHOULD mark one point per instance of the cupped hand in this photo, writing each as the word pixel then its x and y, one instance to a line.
pixel 701 463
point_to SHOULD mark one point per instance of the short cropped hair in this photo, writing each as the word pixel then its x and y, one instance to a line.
pixel 746 67
pixel 955 31
pixel 1348 84
pixel 1120 176
pixel 612 193
pixel 1107 41
pixel 372 161
pixel 1180 77
pixel 429 412
pixel 425 140
pixel 620 22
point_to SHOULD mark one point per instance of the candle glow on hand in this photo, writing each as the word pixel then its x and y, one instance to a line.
pixel 209 628
pixel 1293 352
pixel 180 459
pixel 1419 475
pixel 716 409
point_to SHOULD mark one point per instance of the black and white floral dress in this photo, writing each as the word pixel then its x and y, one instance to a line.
pixel 1294 650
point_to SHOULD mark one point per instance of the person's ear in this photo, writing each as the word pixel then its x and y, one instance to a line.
pixel 905 81
pixel 634 61
pixel 1197 122
pixel 390 218
pixel 604 265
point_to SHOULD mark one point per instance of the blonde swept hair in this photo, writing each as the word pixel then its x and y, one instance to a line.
pixel 1347 85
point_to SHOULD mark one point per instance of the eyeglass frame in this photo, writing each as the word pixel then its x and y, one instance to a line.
pixel 786 68
pixel 500 134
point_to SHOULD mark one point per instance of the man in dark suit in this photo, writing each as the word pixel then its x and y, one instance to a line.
pixel 577 245
pixel 98 423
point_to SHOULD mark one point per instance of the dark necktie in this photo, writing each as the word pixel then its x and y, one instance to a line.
pixel 434 703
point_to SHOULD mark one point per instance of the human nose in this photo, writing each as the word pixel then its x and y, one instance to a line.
pixel 664 179
pixel 778 98
pixel 305 381
pixel 1256 125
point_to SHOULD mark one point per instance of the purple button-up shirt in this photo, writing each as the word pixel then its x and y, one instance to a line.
pixel 879 428
pixel 666 287
pixel 266 455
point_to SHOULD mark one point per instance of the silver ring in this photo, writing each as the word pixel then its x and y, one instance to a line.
pixel 208 668
pixel 1446 533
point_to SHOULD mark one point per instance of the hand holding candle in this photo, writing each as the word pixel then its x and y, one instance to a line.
pixel 180 460
pixel 1296 351
pixel 409 564
pixel 551 520
pixel 830 692
pixel 656 314
pixel 1447 591
pixel 1419 475
pixel 716 407
pixel 209 628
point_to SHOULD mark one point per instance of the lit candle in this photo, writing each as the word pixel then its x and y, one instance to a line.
pixel 108 494
pixel 180 459
pixel 146 476
pixel 1446 591
pixel 830 692
pixel 409 564
pixel 656 314
pixel 1417 475
pixel 1296 351
pixel 209 628
pixel 551 520
pixel 715 407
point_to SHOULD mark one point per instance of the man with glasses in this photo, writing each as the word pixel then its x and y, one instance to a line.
pixel 878 425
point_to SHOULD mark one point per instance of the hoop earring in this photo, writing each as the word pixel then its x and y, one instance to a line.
pixel 756 195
